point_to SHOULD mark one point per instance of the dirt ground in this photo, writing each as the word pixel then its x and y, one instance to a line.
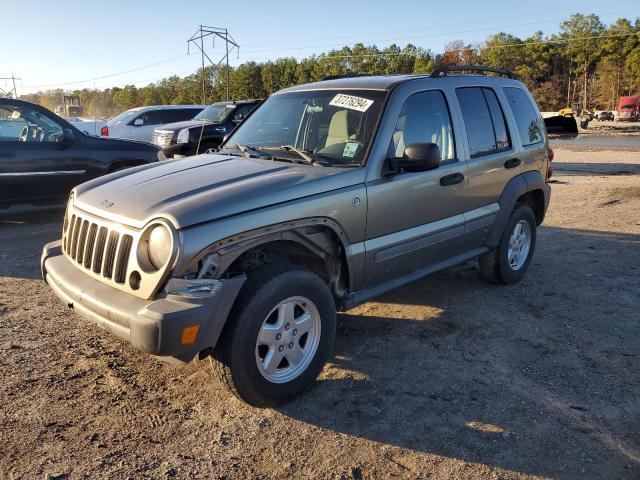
pixel 449 377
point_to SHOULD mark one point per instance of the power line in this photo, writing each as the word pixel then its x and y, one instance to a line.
pixel 298 47
pixel 379 54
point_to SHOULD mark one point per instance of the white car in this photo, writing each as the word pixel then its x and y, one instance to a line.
pixel 139 123
pixel 90 126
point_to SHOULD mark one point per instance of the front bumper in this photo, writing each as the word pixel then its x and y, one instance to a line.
pixel 151 326
pixel 180 149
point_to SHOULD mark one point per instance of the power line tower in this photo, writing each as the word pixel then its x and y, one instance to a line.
pixel 197 39
pixel 13 93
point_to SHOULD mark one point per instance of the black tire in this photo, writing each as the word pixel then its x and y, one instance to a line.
pixel 234 361
pixel 494 265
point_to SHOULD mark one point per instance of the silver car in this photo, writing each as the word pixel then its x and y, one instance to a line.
pixel 327 195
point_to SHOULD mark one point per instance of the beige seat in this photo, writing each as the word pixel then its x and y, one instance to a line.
pixel 338 129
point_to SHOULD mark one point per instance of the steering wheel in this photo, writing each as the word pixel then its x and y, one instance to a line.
pixel 24 135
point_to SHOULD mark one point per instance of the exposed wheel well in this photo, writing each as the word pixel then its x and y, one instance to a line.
pixel 317 249
pixel 535 200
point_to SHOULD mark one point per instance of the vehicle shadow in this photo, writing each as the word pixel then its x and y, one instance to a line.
pixel 535 377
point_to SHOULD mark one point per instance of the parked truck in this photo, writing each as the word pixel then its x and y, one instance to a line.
pixel 628 109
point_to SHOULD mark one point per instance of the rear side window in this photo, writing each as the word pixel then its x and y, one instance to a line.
pixel 484 121
pixel 152 117
pixel 179 114
pixel 527 118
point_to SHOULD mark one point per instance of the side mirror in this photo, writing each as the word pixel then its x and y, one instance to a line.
pixel 68 136
pixel 418 157
pixel 138 122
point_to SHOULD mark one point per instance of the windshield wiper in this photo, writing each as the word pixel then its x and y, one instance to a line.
pixel 244 149
pixel 304 156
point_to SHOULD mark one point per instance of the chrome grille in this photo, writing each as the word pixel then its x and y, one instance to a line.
pixel 162 138
pixel 97 249
pixel 107 251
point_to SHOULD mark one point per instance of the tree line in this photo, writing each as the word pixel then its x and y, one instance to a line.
pixel 586 62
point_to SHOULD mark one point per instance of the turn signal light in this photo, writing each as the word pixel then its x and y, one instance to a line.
pixel 189 334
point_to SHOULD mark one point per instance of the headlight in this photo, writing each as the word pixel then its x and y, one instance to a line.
pixel 183 136
pixel 155 247
pixel 161 156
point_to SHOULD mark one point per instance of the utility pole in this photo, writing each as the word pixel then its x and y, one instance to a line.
pixel 10 93
pixel 197 39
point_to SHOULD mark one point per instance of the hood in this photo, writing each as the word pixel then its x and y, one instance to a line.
pixel 205 188
pixel 174 127
pixel 114 143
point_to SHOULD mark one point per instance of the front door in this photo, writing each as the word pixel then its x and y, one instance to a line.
pixel 416 219
pixel 37 162
pixel 151 119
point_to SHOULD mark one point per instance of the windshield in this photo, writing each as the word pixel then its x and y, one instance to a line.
pixel 215 113
pixel 122 118
pixel 332 126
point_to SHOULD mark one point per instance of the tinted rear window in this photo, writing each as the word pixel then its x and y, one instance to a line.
pixel 527 117
pixel 484 121
pixel 180 114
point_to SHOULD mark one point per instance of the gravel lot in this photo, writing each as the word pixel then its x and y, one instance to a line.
pixel 449 377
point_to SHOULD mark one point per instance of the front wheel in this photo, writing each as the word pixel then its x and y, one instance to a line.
pixel 278 336
pixel 509 262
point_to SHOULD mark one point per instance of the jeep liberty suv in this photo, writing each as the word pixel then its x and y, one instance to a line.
pixel 327 195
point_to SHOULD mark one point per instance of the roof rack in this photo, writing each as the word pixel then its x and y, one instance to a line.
pixel 442 71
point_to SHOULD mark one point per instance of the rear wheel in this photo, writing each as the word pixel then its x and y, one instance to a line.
pixel 509 262
pixel 278 336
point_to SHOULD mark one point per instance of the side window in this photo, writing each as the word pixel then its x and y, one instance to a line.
pixel 152 117
pixel 503 140
pixel 484 121
pixel 240 113
pixel 179 114
pixel 23 124
pixel 424 118
pixel 527 117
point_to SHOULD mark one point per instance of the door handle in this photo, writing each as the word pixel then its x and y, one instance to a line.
pixel 512 163
pixel 451 179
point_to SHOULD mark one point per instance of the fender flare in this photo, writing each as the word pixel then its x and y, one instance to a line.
pixel 230 249
pixel 515 188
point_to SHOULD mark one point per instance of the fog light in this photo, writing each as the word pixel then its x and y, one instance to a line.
pixel 189 334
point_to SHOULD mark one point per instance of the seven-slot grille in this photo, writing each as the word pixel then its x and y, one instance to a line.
pixel 162 138
pixel 96 248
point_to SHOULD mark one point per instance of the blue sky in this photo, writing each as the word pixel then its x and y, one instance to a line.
pixel 48 45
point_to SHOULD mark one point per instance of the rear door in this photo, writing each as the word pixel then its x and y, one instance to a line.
pixel 492 157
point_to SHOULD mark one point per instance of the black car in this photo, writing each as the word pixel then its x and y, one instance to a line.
pixel 42 156
pixel 206 130
pixel 606 116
